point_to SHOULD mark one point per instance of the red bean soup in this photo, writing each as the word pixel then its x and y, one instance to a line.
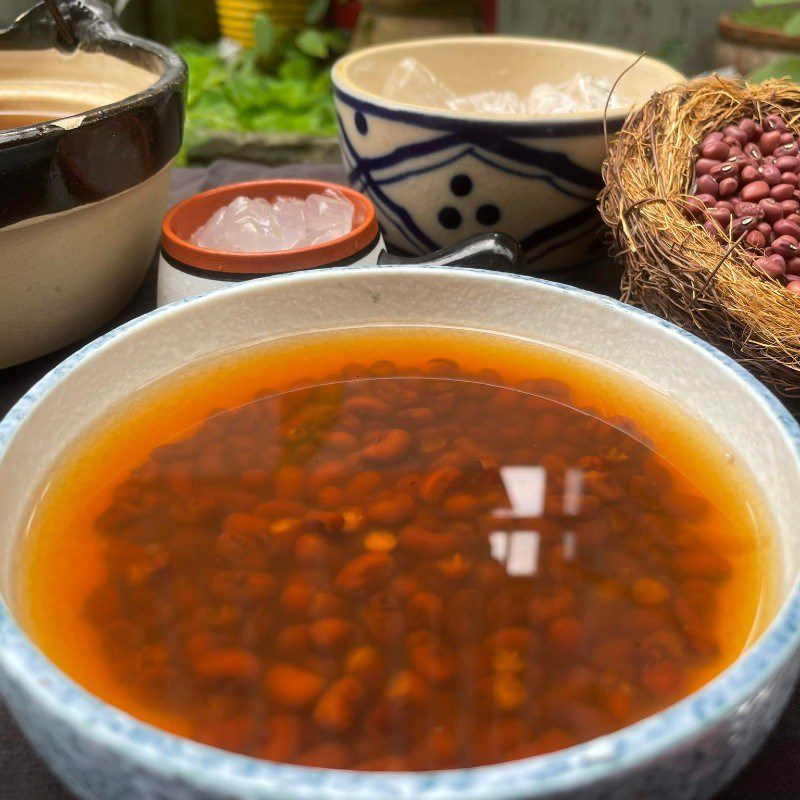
pixel 396 549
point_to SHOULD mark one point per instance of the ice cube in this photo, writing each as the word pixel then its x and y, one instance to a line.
pixel 328 216
pixel 548 99
pixel 210 235
pixel 290 217
pixel 254 225
pixel 409 81
pixel 488 103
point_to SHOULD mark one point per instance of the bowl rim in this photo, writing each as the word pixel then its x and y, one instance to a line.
pixel 351 244
pixel 173 74
pixel 174 758
pixel 344 86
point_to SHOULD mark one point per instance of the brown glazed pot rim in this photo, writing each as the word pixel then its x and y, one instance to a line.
pixel 47 168
pixel 184 219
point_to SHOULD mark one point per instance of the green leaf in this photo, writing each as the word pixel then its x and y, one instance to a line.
pixel 292 94
pixel 792 26
pixel 298 66
pixel 312 42
pixel 772 2
pixel 316 11
pixel 788 67
pixel 266 37
pixel 338 40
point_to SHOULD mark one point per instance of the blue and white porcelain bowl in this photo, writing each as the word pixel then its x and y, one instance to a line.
pixel 685 752
pixel 436 176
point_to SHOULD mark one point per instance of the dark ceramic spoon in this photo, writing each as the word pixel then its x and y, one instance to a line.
pixel 493 251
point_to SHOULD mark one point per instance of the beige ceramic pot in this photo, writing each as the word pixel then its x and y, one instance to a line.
pixel 86 140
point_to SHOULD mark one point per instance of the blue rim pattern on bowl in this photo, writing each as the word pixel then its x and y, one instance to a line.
pixel 197 764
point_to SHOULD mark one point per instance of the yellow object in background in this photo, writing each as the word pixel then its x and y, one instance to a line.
pixel 236 16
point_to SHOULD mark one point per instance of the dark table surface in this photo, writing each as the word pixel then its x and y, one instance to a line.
pixel 773 775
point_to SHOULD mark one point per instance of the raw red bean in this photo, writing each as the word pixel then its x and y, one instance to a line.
pixel 783 227
pixel 783 191
pixel 793 287
pixel 770 174
pixel 737 133
pixel 769 141
pixel 752 151
pixel 794 218
pixel 785 246
pixel 789 206
pixel 723 170
pixel 764 229
pixel 755 191
pixel 695 209
pixel 717 150
pixel 704 166
pixel 772 268
pixel 787 163
pixel 728 186
pixel 788 149
pixel 742 225
pixel 749 174
pixel 715 230
pixel 793 266
pixel 748 127
pixel 748 210
pixel 707 185
pixel 756 239
pixel 720 215
pixel 708 200
pixel 771 208
pixel 774 123
pixel 714 136
pixel 790 178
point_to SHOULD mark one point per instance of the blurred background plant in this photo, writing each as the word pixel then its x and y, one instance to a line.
pixel 281 85
pixel 269 99
pixel 762 40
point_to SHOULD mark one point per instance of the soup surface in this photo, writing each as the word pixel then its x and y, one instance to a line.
pixel 21 119
pixel 395 549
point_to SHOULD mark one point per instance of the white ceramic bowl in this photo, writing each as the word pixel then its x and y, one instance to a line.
pixel 687 751
pixel 436 176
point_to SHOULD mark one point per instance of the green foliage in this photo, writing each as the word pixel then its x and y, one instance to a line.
pixel 316 11
pixel 774 15
pixel 313 43
pixel 792 26
pixel 266 37
pixel 787 67
pixel 282 85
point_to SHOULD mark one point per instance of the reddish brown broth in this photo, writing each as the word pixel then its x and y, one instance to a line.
pixel 415 563
pixel 21 119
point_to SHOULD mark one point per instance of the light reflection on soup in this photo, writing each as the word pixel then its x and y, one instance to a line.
pixel 396 549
